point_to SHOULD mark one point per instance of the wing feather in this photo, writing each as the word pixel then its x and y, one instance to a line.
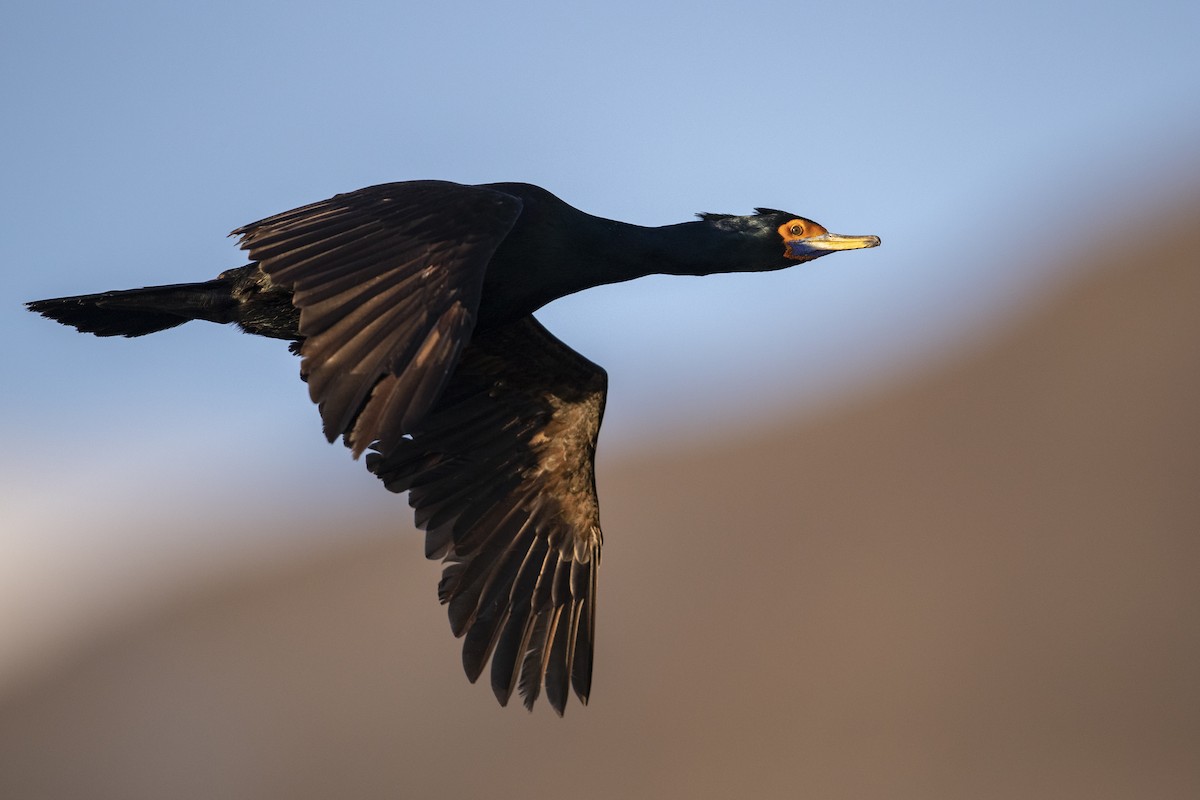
pixel 501 476
pixel 387 280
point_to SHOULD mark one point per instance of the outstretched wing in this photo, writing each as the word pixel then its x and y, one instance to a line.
pixel 387 280
pixel 501 476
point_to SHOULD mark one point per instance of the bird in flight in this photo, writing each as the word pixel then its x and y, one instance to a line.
pixel 411 306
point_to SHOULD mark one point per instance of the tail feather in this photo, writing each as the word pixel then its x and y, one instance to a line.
pixel 136 312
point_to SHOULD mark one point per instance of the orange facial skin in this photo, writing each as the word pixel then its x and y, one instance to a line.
pixel 795 231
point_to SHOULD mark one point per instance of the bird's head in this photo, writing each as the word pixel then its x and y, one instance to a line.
pixel 787 239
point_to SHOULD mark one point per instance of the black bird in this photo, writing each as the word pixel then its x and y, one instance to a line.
pixel 411 306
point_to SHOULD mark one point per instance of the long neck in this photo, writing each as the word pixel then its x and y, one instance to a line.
pixel 614 251
pixel 556 250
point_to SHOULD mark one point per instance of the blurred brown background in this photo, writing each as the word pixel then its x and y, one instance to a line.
pixel 979 582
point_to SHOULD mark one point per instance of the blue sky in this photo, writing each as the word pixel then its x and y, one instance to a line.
pixel 978 140
pixel 138 134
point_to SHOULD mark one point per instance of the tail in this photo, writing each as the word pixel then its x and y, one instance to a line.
pixel 136 312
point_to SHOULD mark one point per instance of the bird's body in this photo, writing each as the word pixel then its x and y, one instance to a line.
pixel 411 306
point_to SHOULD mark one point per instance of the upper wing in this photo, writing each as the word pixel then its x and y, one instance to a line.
pixel 501 476
pixel 387 280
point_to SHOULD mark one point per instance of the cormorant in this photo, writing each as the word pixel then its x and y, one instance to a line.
pixel 411 307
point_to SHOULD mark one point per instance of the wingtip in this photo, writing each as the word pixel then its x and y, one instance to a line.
pixel 502 696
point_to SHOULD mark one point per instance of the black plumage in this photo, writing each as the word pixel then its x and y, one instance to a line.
pixel 411 307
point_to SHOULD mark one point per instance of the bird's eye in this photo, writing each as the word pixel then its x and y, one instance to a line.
pixel 796 230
